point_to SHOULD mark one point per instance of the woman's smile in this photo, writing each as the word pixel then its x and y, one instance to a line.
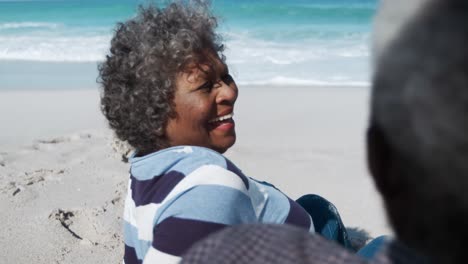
pixel 222 123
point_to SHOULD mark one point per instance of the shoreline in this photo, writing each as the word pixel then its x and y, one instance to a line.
pixel 82 75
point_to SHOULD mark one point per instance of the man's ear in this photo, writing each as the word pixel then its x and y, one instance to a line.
pixel 378 157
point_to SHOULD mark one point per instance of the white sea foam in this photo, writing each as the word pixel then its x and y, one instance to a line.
pixel 291 52
pixel 19 25
pixel 252 59
pixel 331 62
pixel 42 48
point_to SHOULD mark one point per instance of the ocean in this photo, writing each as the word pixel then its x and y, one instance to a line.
pixel 271 42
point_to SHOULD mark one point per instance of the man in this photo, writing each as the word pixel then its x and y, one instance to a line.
pixel 417 149
pixel 418 134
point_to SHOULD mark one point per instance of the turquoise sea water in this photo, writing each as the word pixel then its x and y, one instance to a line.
pixel 268 41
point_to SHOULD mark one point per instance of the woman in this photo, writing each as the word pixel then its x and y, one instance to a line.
pixel 168 92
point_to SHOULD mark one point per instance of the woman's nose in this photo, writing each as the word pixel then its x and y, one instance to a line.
pixel 227 93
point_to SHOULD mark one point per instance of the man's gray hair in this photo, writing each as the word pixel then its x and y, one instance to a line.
pixel 420 104
pixel 420 93
pixel 391 18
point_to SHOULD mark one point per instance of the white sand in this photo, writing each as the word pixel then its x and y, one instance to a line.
pixel 62 184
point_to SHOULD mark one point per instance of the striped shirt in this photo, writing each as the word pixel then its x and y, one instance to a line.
pixel 179 195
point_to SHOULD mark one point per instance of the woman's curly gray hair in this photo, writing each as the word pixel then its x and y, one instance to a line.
pixel 146 54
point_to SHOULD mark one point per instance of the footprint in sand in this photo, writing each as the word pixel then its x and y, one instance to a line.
pixel 53 140
pixel 121 148
pixel 82 224
pixel 49 143
pixel 65 217
pixel 44 144
pixel 42 175
pixel 32 178
pixel 2 159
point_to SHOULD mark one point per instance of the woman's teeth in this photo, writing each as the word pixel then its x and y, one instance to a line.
pixel 221 118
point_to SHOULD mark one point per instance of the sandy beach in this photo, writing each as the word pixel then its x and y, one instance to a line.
pixel 62 182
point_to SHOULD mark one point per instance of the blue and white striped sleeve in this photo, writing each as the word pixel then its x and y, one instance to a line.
pixel 205 201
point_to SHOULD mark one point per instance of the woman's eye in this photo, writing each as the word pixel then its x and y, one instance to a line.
pixel 207 86
pixel 227 79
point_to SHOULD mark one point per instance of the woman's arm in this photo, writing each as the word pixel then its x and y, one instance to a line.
pixel 205 201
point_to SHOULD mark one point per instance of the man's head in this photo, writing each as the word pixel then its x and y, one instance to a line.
pixel 418 134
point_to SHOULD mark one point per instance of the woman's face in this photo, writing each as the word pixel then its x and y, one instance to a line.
pixel 204 109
